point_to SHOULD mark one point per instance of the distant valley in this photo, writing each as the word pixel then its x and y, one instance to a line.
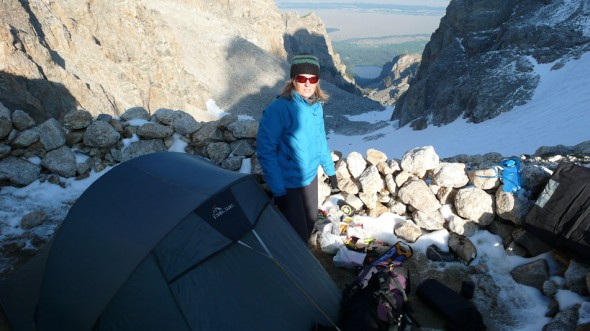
pixel 372 34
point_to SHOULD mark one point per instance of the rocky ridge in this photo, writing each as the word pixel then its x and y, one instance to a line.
pixel 394 79
pixel 107 57
pixel 419 186
pixel 479 62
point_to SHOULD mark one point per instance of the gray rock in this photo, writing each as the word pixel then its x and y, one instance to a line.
pixel 135 113
pixel 450 175
pixel 436 254
pixel 402 177
pixel 377 210
pixel 233 163
pixel 101 134
pixel 390 184
pixel 575 277
pixel 550 288
pixel 398 208
pixel 461 226
pixel 484 179
pixel 371 181
pixel 4 150
pixel 419 160
pixel 5 121
pixel 26 138
pixel 369 199
pixel 430 221
pixel 165 115
pixel 244 129
pixel 218 151
pixel 533 274
pixel 532 244
pixel 185 124
pixel 417 194
pixel 154 131
pixel 463 248
pixel 408 231
pixel 104 117
pixel 502 229
pixel 554 150
pixel 388 167
pixel 516 249
pixel 60 161
pixel 21 120
pixel 52 135
pixel 446 195
pixel 18 171
pixel 242 147
pixel 375 157
pixel 564 320
pixel 208 133
pixel 32 219
pixel 142 147
pixel 77 119
pixel 226 120
pixel 475 204
pixel 512 206
pixel 356 164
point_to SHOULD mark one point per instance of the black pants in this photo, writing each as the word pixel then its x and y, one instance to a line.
pixel 301 209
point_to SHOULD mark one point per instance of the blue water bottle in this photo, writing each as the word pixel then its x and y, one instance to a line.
pixel 511 174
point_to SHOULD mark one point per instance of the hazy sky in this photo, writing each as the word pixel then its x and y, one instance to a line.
pixel 373 18
pixel 398 2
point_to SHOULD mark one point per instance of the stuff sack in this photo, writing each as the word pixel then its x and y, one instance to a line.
pixel 561 214
pixel 460 313
pixel 377 299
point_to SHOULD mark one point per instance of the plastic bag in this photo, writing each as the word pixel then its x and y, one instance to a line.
pixel 330 243
pixel 346 258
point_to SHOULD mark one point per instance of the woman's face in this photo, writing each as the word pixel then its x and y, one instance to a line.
pixel 305 84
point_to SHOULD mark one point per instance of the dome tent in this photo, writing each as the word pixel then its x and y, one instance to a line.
pixel 169 241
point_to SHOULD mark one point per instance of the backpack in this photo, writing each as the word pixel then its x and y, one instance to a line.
pixel 377 299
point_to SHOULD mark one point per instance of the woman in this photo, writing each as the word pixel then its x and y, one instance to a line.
pixel 291 145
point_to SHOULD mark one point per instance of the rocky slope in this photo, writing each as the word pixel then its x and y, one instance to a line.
pixel 479 62
pixel 394 79
pixel 106 57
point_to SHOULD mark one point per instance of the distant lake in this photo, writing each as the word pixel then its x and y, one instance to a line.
pixel 368 72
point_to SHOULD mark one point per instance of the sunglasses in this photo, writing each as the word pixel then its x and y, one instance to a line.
pixel 302 79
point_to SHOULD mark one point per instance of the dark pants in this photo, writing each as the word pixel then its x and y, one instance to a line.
pixel 301 209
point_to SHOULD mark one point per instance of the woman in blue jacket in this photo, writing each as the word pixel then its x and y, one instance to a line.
pixel 291 145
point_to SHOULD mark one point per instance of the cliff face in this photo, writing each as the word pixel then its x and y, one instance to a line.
pixel 479 62
pixel 108 56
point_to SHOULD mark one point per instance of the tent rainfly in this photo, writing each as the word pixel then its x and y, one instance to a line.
pixel 561 214
pixel 170 241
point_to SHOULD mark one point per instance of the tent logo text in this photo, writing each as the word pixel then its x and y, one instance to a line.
pixel 218 211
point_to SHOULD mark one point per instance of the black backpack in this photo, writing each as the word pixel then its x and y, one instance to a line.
pixel 377 299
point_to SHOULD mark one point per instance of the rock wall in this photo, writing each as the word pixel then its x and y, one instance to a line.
pixel 479 62
pixel 107 57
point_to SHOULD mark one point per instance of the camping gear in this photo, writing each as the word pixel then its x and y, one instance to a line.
pixel 561 214
pixel 346 208
pixel 467 289
pixel 170 241
pixel 510 174
pixel 399 252
pixel 377 299
pixel 460 313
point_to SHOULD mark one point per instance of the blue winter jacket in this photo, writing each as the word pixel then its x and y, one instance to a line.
pixel 291 143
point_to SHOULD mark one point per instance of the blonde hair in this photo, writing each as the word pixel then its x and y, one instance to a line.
pixel 319 94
